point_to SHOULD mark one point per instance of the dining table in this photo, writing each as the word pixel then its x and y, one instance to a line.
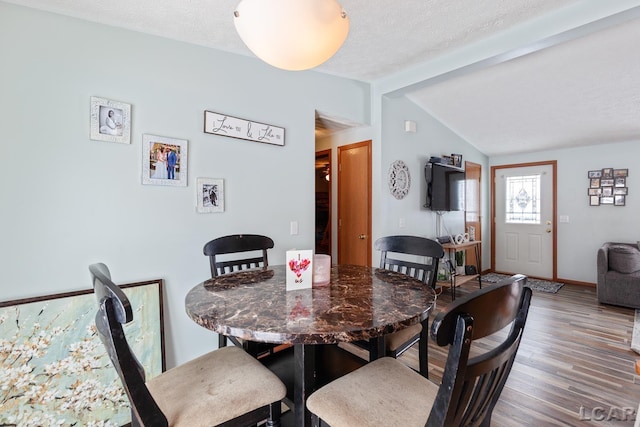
pixel 358 303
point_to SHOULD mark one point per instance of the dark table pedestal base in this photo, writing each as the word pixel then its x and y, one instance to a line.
pixel 330 362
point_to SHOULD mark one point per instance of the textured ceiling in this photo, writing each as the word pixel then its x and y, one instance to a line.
pixel 581 91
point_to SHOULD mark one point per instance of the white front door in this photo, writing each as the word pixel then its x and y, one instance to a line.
pixel 524 220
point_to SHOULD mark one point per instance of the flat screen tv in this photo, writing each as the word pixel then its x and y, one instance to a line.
pixel 445 187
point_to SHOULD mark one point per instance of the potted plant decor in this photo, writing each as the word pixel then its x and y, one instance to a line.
pixel 460 263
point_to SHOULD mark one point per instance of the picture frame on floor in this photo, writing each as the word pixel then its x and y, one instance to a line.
pixel 110 120
pixel 57 368
pixel 164 160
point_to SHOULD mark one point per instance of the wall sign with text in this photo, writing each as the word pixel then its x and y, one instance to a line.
pixel 222 124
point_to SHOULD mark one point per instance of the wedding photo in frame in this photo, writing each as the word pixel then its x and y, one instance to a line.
pixel 110 120
pixel 210 195
pixel 56 369
pixel 164 160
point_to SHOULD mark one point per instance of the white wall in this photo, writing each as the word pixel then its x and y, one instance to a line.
pixel 68 201
pixel 589 226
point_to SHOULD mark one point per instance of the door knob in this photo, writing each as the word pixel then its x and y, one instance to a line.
pixel 548 230
pixel 362 236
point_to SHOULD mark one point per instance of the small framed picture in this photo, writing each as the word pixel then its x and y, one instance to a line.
pixel 594 201
pixel 210 195
pixel 110 120
pixel 457 160
pixel 595 174
pixel 595 191
pixel 164 161
pixel 619 200
pixel 448 160
pixel 606 200
pixel 606 182
pixel 620 182
pixel 620 173
pixel 607 173
pixel 594 183
pixel 607 191
pixel 621 191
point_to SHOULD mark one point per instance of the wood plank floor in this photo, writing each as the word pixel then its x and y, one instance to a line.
pixel 574 366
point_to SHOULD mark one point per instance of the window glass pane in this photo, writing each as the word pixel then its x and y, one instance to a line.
pixel 523 199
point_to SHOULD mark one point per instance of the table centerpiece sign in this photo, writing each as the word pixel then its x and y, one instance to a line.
pixel 299 269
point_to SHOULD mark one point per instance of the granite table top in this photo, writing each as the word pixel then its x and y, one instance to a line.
pixel 358 303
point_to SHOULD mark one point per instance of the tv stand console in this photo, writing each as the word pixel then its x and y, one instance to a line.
pixel 458 280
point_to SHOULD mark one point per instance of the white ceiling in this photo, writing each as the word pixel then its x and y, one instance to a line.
pixel 579 88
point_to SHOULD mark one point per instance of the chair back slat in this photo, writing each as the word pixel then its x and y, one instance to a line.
pixel 471 386
pixel 411 245
pixel 114 311
pixel 237 243
pixel 482 306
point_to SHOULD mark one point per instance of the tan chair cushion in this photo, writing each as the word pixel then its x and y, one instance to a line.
pixel 397 339
pixel 214 388
pixel 375 394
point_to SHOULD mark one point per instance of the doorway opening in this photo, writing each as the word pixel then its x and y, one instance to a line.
pixel 323 202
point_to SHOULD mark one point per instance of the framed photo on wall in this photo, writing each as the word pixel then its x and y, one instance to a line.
pixel 110 120
pixel 164 160
pixel 210 195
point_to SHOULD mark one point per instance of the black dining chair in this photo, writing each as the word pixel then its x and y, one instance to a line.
pixel 223 387
pixel 393 251
pixel 237 252
pixel 386 389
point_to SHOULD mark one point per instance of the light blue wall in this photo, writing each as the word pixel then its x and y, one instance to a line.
pixel 589 226
pixel 432 138
pixel 68 201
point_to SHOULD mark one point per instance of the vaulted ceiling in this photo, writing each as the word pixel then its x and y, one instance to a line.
pixel 568 78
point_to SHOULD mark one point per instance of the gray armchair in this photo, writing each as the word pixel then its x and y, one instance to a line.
pixel 618 267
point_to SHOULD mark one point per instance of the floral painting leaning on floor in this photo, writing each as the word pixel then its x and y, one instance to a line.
pixel 54 369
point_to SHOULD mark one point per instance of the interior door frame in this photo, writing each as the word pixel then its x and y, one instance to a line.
pixel 554 198
pixel 341 206
pixel 478 223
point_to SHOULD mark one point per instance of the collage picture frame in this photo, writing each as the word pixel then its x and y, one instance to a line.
pixel 608 186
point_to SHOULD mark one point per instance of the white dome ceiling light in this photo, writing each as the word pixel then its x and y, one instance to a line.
pixel 292 34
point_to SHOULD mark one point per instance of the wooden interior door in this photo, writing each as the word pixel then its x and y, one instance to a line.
pixel 354 204
pixel 472 213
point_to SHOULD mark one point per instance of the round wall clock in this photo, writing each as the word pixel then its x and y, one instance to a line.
pixel 399 179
